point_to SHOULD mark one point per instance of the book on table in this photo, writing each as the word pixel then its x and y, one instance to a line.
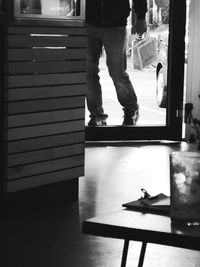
pixel 157 204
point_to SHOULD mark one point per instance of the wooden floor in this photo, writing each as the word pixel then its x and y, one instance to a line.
pixel 113 175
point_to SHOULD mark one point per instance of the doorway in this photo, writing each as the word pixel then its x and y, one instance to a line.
pixel 159 102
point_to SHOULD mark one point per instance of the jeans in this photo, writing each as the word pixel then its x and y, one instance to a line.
pixel 114 42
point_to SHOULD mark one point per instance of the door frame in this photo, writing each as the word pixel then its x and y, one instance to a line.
pixel 176 60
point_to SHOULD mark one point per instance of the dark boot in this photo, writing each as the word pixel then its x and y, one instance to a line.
pixel 130 117
pixel 98 120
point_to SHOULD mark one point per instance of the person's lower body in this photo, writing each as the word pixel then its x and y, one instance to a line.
pixel 114 42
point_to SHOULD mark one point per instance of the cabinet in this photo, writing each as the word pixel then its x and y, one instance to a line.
pixel 43 87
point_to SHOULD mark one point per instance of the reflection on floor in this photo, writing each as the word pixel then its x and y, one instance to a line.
pixel 113 175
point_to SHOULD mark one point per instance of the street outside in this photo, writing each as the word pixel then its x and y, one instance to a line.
pixel 144 83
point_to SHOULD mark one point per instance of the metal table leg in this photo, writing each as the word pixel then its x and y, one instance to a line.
pixel 142 254
pixel 125 252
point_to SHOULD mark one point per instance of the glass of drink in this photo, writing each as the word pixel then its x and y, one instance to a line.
pixel 185 187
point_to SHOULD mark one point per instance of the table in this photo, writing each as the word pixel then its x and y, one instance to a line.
pixel 145 227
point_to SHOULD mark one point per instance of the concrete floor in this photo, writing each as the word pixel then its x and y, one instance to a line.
pixel 113 175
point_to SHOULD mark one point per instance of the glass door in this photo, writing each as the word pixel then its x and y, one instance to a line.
pixel 159 85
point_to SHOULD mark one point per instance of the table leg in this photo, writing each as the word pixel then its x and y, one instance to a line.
pixel 142 254
pixel 125 252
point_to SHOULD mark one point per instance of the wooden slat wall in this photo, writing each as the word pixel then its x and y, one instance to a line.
pixel 44 101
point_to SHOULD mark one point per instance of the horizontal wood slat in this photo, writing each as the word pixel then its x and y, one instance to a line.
pixel 36 67
pixel 44 142
pixel 44 179
pixel 30 93
pixel 45 105
pixel 23 54
pixel 45 79
pixel 47 30
pixel 21 171
pixel 44 117
pixel 42 130
pixel 45 41
pixel 44 154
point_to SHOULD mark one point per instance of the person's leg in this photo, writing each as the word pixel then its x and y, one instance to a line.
pixel 94 92
pixel 115 46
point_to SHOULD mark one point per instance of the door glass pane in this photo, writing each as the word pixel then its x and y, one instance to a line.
pixel 150 82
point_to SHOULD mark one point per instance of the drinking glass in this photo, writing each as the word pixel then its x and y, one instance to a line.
pixel 185 187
